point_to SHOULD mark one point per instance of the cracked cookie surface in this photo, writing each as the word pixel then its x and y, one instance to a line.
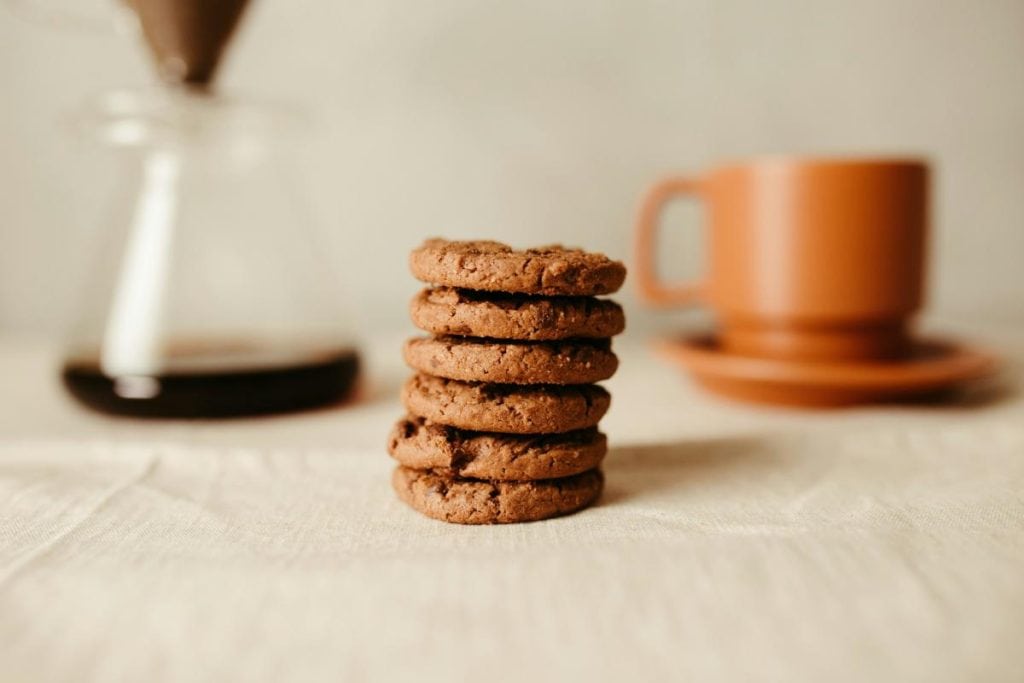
pixel 461 312
pixel 421 444
pixel 472 501
pixel 505 408
pixel 512 362
pixel 496 267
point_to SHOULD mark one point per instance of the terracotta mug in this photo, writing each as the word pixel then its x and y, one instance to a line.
pixel 810 259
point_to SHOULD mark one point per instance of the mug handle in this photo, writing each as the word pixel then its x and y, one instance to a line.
pixel 650 286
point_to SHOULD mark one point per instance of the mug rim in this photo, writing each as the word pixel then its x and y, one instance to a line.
pixel 824 161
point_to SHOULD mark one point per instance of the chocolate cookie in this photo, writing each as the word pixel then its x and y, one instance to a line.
pixel 421 444
pixel 505 408
pixel 444 310
pixel 496 267
pixel 512 362
pixel 471 501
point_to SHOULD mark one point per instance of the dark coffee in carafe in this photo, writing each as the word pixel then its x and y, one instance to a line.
pixel 216 383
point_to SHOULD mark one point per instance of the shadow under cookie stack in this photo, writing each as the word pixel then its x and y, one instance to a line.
pixel 503 411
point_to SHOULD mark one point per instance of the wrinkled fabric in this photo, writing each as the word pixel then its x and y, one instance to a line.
pixel 732 543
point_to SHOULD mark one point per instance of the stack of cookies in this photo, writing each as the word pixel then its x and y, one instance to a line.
pixel 503 410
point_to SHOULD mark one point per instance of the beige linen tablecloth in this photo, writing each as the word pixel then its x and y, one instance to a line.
pixel 733 543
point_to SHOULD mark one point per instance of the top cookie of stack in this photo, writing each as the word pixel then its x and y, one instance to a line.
pixel 503 411
pixel 495 267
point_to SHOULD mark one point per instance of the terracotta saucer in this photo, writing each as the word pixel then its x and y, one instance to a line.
pixel 932 369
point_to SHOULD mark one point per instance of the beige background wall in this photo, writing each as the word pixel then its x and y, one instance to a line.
pixel 542 120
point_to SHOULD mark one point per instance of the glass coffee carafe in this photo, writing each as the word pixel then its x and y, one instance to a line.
pixel 211 297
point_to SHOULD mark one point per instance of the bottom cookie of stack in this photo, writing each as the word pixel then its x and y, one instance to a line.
pixel 471 477
pixel 476 501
